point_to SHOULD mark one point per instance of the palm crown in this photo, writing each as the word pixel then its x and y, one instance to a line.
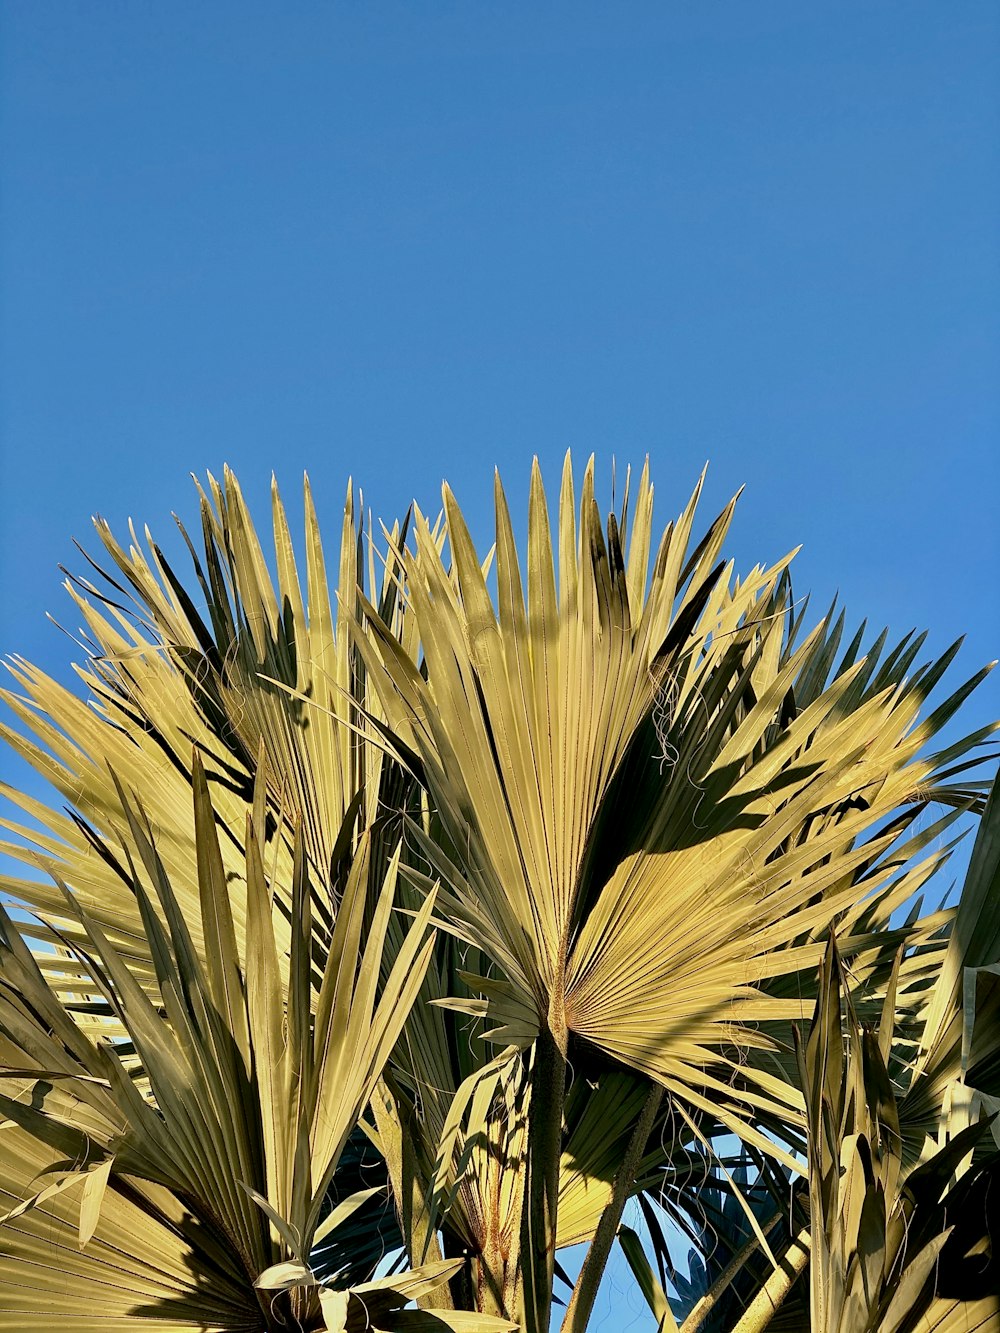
pixel 451 911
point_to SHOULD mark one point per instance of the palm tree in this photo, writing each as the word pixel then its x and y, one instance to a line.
pixel 444 917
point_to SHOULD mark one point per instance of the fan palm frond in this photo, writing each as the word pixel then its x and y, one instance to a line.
pixel 246 1100
pixel 644 828
pixel 892 1251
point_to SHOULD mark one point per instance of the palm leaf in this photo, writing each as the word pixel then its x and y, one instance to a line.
pixel 960 1039
pixel 891 1252
pixel 249 1103
pixel 163 678
pixel 654 805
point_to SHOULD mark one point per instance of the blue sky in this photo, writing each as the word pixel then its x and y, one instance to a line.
pixel 407 242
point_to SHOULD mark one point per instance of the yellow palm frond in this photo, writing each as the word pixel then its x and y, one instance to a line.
pixel 248 1099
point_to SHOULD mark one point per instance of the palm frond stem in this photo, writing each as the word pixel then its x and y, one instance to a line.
pixel 767 1302
pixel 595 1261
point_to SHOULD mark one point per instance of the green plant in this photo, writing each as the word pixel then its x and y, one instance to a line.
pixel 443 921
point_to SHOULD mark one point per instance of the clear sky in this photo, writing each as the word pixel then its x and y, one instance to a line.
pixel 410 241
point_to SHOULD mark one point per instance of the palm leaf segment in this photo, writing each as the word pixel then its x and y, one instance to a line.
pixel 639 824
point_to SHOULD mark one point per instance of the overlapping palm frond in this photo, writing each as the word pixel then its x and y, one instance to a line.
pixel 644 799
pixel 726 1267
pixel 731 1290
pixel 889 1244
pixel 654 805
pixel 629 787
pixel 245 1101
pixel 163 677
pixel 954 1070
pixel 893 1251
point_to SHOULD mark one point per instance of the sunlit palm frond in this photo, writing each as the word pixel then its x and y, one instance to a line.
pixel 955 1069
pixel 642 821
pixel 644 798
pixel 229 679
pixel 251 1099
pixel 892 1251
